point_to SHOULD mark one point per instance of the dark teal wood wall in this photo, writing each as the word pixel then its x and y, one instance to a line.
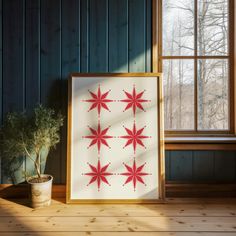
pixel 42 41
pixel 201 166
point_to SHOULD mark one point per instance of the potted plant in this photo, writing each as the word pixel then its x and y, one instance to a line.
pixel 29 136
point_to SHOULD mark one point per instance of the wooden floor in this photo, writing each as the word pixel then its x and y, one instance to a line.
pixel 177 217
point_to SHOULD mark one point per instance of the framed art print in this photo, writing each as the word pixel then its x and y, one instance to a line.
pixel 115 138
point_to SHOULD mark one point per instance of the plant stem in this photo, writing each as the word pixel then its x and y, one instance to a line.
pixel 37 169
pixel 37 164
pixel 36 161
pixel 28 154
pixel 39 161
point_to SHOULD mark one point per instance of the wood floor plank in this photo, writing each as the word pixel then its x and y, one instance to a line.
pixel 125 224
pixel 63 210
pixel 201 200
pixel 88 233
pixel 177 217
pixel 173 201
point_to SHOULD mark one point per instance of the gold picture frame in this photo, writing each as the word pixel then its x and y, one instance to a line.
pixel 160 134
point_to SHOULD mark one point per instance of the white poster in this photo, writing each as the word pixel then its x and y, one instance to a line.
pixel 114 147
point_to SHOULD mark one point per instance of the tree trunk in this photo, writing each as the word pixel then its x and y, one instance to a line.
pixel 180 82
pixel 37 165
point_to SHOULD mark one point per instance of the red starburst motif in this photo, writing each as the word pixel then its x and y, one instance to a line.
pixel 99 100
pixel 98 137
pixel 134 174
pixel 98 174
pixel 134 100
pixel 134 137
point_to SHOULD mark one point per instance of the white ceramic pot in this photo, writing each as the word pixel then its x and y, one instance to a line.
pixel 40 193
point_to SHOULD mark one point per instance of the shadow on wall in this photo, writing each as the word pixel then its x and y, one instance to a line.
pixel 13 169
pixel 17 169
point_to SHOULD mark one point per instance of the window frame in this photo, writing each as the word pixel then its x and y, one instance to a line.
pixel 157 60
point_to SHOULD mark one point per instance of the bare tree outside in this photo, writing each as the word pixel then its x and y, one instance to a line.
pixel 212 38
pixel 190 33
pixel 179 94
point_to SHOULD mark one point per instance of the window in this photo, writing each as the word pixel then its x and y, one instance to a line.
pixel 197 64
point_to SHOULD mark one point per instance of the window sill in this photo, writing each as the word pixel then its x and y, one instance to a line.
pixel 200 143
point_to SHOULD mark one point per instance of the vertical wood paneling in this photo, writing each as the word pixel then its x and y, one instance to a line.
pixel 84 36
pixel 13 83
pixel 181 165
pixel 137 35
pixel 32 49
pixel 50 52
pixel 148 36
pixel 70 37
pixel 32 60
pixel 203 165
pixel 1 77
pixel 51 70
pixel 98 36
pixel 1 80
pixel 224 169
pixel 70 62
pixel 118 36
pixel 13 64
pixel 167 165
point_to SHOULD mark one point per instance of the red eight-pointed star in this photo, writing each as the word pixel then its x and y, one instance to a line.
pixel 134 137
pixel 134 100
pixel 99 100
pixel 134 174
pixel 98 137
pixel 98 174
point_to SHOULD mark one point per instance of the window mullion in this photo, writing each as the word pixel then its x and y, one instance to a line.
pixel 231 69
pixel 195 68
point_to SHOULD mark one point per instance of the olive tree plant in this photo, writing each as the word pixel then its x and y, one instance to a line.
pixel 26 135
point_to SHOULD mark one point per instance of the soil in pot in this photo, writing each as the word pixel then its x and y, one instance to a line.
pixel 39 180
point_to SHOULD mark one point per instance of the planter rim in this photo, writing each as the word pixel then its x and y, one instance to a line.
pixel 43 175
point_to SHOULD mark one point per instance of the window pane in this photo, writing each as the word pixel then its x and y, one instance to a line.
pixel 179 94
pixel 178 27
pixel 213 96
pixel 212 27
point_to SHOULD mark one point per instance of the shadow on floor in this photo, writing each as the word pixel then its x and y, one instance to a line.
pixel 20 193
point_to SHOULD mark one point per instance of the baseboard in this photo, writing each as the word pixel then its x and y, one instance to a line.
pixel 200 189
pixel 22 190
pixel 172 190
